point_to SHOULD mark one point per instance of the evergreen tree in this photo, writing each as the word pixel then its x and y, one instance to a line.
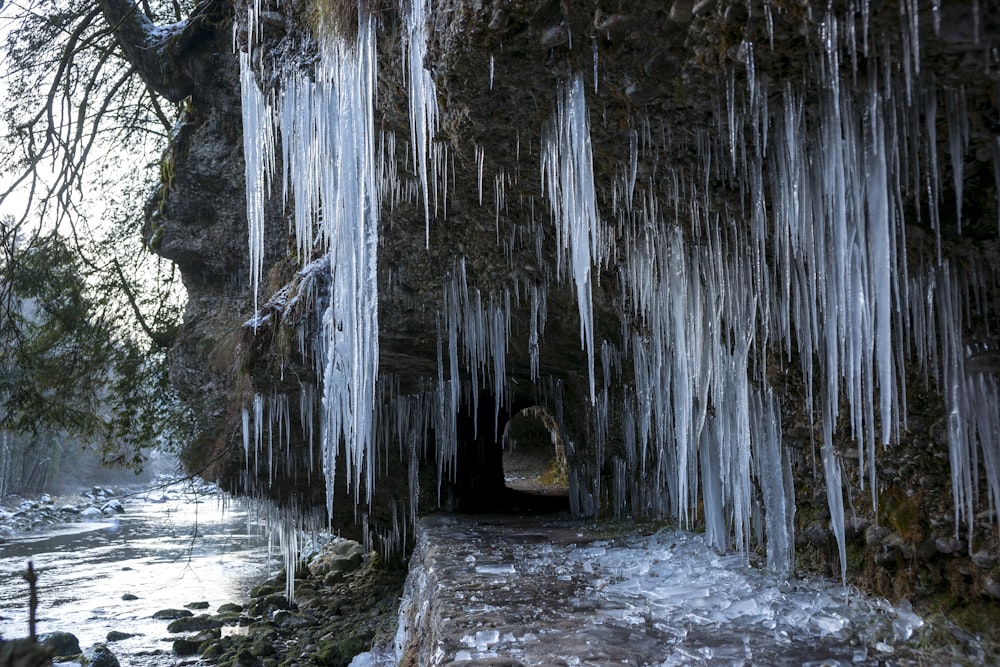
pixel 86 316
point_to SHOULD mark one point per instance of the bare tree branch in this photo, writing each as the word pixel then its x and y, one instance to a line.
pixel 156 52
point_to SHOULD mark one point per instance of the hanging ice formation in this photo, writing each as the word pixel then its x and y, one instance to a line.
pixel 805 274
pixel 329 160
pixel 258 152
pixel 818 273
pixel 423 111
pixel 568 174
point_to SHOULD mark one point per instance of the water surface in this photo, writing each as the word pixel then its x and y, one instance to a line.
pixel 172 546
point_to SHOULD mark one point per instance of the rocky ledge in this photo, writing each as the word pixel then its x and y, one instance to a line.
pixel 22 515
pixel 346 601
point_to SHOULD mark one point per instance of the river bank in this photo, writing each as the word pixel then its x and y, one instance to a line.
pixel 160 583
pixel 20 514
pixel 109 559
pixel 346 602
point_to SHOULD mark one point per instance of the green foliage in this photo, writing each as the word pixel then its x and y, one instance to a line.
pixel 69 369
pixel 85 316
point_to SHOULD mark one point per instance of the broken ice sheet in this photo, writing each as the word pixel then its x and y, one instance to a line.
pixel 496 569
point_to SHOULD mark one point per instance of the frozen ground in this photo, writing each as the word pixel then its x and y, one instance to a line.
pixel 507 591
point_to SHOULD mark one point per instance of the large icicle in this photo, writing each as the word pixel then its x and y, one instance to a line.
pixel 345 136
pixel 568 174
pixel 423 107
pixel 329 154
pixel 258 153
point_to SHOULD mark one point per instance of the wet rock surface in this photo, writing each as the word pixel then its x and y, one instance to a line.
pixel 501 590
pixel 346 600
pixel 21 515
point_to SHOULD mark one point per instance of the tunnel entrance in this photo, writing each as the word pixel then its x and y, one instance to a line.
pixel 505 464
pixel 534 463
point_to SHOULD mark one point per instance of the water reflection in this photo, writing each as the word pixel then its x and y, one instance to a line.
pixel 173 546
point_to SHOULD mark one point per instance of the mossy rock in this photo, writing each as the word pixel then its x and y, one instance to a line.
pixel 245 658
pixel 171 614
pixel 264 590
pixel 212 650
pixel 262 605
pixel 230 618
pixel 62 643
pixel 339 652
pixel 186 647
pixel 194 624
pixel 903 513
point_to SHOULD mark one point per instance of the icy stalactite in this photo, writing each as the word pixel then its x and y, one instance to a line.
pixel 537 327
pixel 300 163
pixel 958 143
pixel 568 177
pixel 968 385
pixel 330 177
pixel 291 531
pixel 815 262
pixel 774 471
pixel 258 153
pixel 345 137
pixel 699 415
pixel 423 110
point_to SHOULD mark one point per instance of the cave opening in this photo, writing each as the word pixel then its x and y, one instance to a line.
pixel 534 463
pixel 507 464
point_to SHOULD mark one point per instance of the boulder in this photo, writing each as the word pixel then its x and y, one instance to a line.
pixel 62 643
pixel 25 653
pixel 113 507
pixel 194 624
pixel 99 655
pixel 184 647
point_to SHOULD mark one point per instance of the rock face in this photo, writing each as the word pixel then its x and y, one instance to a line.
pixel 25 653
pixel 742 253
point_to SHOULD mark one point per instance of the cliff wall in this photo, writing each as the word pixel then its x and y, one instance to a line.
pixel 743 253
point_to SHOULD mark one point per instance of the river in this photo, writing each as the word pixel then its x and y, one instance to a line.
pixel 172 546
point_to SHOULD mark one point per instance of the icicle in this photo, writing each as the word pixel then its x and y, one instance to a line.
pixel 961 441
pixel 933 178
pixel 537 328
pixel 958 142
pixel 258 152
pixel 568 174
pixel 329 153
pixel 834 494
pixel 246 436
pixel 258 430
pixel 480 162
pixel 775 475
pixel 423 103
